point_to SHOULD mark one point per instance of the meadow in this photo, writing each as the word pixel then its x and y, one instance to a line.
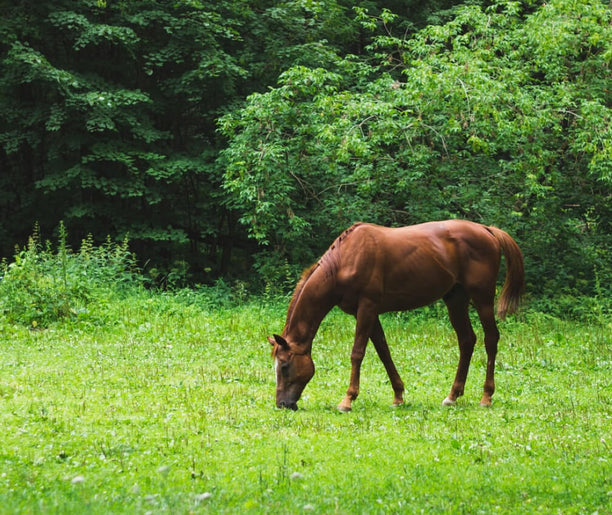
pixel 164 403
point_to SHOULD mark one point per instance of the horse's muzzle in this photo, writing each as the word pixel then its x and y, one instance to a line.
pixel 287 404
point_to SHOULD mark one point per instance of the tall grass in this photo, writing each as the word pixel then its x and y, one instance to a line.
pixel 169 408
pixel 45 284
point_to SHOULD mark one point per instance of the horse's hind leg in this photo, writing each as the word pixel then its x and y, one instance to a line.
pixel 382 349
pixel 457 301
pixel 491 337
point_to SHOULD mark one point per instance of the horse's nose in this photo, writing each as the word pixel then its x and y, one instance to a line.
pixel 287 404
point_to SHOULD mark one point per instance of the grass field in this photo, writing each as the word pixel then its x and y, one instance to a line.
pixel 161 405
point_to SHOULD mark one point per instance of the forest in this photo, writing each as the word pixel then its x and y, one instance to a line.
pixel 234 140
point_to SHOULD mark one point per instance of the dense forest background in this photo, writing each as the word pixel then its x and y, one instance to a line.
pixel 235 139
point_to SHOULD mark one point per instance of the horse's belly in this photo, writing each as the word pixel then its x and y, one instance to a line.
pixel 405 301
pixel 395 298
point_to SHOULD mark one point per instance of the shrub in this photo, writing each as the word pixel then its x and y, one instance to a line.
pixel 44 285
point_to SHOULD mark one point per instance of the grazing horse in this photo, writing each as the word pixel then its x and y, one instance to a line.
pixel 370 270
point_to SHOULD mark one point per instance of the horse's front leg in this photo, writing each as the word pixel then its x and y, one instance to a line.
pixel 380 343
pixel 366 316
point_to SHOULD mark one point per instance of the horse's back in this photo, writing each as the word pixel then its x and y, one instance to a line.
pixel 446 242
pixel 407 267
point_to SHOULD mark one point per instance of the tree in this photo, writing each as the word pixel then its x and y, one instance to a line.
pixel 109 114
pixel 109 110
pixel 501 115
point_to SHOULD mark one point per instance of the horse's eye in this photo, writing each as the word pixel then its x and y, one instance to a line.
pixel 284 368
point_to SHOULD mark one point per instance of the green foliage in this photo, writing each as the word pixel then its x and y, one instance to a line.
pixel 108 109
pixel 109 112
pixel 45 285
pixel 498 112
pixel 497 116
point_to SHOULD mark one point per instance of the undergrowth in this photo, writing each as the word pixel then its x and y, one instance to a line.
pixel 45 283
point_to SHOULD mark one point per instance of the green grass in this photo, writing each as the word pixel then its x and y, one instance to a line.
pixel 167 406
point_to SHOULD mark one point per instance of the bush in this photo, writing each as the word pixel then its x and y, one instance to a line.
pixel 43 285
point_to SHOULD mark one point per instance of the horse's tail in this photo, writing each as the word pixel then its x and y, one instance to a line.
pixel 514 285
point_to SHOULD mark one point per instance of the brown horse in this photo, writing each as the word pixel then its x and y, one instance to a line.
pixel 371 270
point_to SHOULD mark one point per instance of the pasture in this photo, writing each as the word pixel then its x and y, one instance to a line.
pixel 165 404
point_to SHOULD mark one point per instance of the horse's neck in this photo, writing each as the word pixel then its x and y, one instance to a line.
pixel 315 301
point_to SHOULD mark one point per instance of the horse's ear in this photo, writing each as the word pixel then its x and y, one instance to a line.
pixel 280 340
pixel 272 341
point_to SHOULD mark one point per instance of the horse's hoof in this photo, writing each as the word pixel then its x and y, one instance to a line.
pixel 343 409
pixel 397 404
pixel 485 404
pixel 449 402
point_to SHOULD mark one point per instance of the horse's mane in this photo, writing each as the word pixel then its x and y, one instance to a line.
pixel 329 261
pixel 298 290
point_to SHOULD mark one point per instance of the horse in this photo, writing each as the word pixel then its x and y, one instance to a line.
pixel 370 269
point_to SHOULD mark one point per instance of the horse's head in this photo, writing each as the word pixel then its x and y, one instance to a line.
pixel 293 371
